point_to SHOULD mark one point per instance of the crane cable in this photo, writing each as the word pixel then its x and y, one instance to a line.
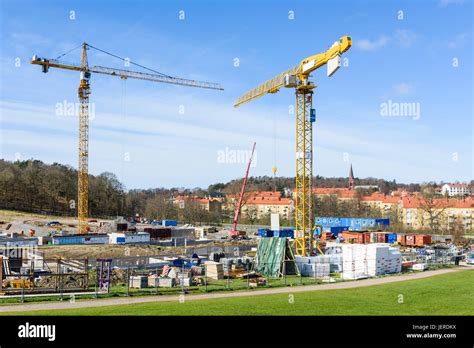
pixel 129 61
pixel 62 55
pixel 274 169
pixel 115 56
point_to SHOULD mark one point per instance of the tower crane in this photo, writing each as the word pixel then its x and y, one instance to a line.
pixel 84 91
pixel 298 78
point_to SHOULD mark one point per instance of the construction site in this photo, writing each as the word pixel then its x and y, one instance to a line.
pixel 202 173
pixel 90 258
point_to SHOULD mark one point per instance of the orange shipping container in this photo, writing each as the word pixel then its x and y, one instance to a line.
pixel 401 239
pixel 355 237
pixel 326 235
pixel 422 239
pixel 410 239
pixel 366 237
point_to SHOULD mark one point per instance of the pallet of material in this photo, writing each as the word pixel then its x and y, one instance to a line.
pixel 420 267
pixel 257 282
pixel 138 282
pixel 166 282
pixel 214 270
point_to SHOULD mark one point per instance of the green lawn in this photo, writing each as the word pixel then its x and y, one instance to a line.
pixel 448 294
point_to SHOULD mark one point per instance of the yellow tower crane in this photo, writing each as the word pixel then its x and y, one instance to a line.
pixel 84 92
pixel 298 78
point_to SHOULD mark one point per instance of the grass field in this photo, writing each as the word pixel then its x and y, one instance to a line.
pixel 448 294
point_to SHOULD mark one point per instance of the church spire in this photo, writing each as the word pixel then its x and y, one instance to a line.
pixel 351 179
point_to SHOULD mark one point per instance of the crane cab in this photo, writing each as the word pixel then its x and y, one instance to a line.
pixel 345 43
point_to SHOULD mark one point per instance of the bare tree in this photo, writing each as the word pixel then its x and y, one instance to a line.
pixel 432 207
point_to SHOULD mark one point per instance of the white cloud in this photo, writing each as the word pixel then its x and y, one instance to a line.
pixel 402 37
pixel 459 41
pixel 446 3
pixel 403 88
pixel 405 38
pixel 371 45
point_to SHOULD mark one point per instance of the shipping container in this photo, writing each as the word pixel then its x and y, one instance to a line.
pixel 382 237
pixel 366 237
pixel 159 233
pixel 122 227
pixel 169 223
pixel 422 239
pixel 391 238
pixel 410 240
pixel 262 231
pixel 401 239
pixel 326 235
pixel 335 230
pixel 354 237
pixel 355 224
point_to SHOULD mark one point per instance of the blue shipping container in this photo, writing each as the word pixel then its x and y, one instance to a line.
pixel 262 232
pixel 391 238
pixel 169 223
pixel 287 233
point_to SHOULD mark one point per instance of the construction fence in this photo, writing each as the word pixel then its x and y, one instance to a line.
pixel 68 279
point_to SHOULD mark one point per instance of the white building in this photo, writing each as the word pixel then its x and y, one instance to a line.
pixel 456 190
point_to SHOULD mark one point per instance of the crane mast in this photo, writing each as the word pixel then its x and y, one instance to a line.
pixel 83 165
pixel 298 78
pixel 83 92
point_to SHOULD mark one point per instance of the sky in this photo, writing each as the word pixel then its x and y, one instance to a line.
pixel 415 54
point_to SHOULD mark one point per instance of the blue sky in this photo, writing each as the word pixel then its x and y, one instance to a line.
pixel 141 133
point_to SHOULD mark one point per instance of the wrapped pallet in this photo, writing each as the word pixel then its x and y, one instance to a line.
pixel 214 270
pixel 138 282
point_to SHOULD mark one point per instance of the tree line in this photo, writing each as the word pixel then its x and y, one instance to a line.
pixel 34 186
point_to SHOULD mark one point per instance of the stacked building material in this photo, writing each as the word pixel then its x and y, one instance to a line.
pixel 214 270
pixel 353 261
pixel 243 262
pixel 420 267
pixel 166 282
pixel 185 278
pixel 139 282
pixel 382 259
pixel 319 266
pixel 369 260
